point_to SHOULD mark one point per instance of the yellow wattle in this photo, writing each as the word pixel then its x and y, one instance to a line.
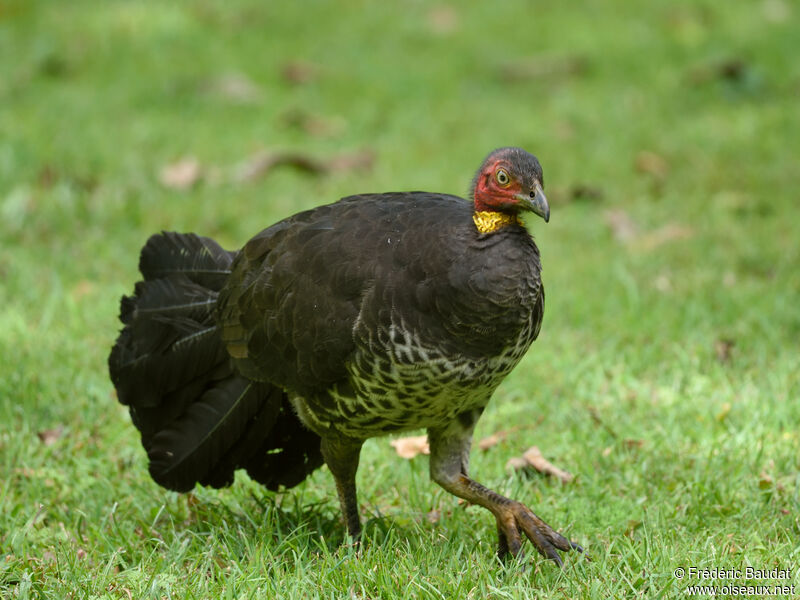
pixel 489 221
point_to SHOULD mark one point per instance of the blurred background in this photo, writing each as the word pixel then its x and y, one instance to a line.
pixel 669 134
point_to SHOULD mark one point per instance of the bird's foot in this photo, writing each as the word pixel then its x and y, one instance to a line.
pixel 515 518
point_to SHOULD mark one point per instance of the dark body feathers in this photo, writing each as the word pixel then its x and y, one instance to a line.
pixel 374 314
pixel 199 419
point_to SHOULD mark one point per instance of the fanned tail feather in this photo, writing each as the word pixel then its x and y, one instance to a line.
pixel 199 420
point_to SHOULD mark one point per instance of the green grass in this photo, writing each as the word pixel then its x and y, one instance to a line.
pixel 685 454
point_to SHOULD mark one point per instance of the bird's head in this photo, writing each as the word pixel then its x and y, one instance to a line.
pixel 509 181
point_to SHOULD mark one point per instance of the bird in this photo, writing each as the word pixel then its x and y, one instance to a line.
pixel 372 315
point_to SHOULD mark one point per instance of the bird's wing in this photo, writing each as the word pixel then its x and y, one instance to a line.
pixel 295 293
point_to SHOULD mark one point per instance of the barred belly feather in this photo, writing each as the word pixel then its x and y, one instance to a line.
pixel 409 384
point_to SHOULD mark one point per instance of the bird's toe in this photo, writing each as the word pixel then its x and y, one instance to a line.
pixel 519 518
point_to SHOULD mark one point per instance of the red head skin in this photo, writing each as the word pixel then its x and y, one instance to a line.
pixel 510 180
pixel 492 195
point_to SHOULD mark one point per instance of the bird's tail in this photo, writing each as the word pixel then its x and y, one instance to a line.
pixel 199 420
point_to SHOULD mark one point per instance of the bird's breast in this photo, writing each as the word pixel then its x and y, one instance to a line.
pixel 402 381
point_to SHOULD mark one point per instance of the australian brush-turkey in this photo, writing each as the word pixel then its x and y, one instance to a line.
pixel 375 314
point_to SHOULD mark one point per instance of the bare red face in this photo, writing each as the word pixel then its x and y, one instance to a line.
pixel 510 181
pixel 496 188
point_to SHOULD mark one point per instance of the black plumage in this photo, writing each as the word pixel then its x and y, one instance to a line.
pixel 378 313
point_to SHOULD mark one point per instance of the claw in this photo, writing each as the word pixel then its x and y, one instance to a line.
pixel 547 541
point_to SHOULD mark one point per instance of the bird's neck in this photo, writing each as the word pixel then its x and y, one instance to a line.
pixel 489 221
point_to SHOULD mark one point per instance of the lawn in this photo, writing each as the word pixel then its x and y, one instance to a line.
pixel 667 375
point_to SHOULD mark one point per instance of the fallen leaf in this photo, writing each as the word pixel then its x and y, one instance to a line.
pixel 622 226
pixel 667 233
pixel 535 459
pixel 182 174
pixel 83 288
pixel 729 279
pixel 732 69
pixel 492 440
pixel 652 164
pixel 314 125
pixel 354 161
pixel 443 20
pixel 409 447
pixel 433 516
pixel 517 463
pixel 47 176
pixel 723 348
pixel 262 163
pixel 776 11
pixel 50 436
pixel 542 67
pixel 632 444
pixel 236 87
pixel 586 192
pixel 298 72
pixel 663 283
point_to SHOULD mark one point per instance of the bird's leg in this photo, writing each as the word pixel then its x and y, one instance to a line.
pixel 449 461
pixel 341 455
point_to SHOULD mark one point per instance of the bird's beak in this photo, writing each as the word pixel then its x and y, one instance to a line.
pixel 536 204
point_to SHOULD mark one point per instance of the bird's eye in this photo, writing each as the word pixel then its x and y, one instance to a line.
pixel 502 177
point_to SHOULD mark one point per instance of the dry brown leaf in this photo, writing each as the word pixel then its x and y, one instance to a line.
pixel 50 436
pixel 409 447
pixel 517 463
pixel 733 69
pixel 776 11
pixel 262 163
pixel 663 283
pixel 622 226
pixel 354 161
pixel 314 125
pixel 182 174
pixel 492 440
pixel 434 516
pixel 652 164
pixel 586 192
pixel 443 20
pixel 83 288
pixel 533 456
pixel 540 67
pixel 236 87
pixel 47 176
pixel 298 72
pixel 668 233
pixel 723 348
pixel 632 444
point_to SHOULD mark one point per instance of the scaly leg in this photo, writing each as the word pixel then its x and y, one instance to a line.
pixel 449 464
pixel 341 456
